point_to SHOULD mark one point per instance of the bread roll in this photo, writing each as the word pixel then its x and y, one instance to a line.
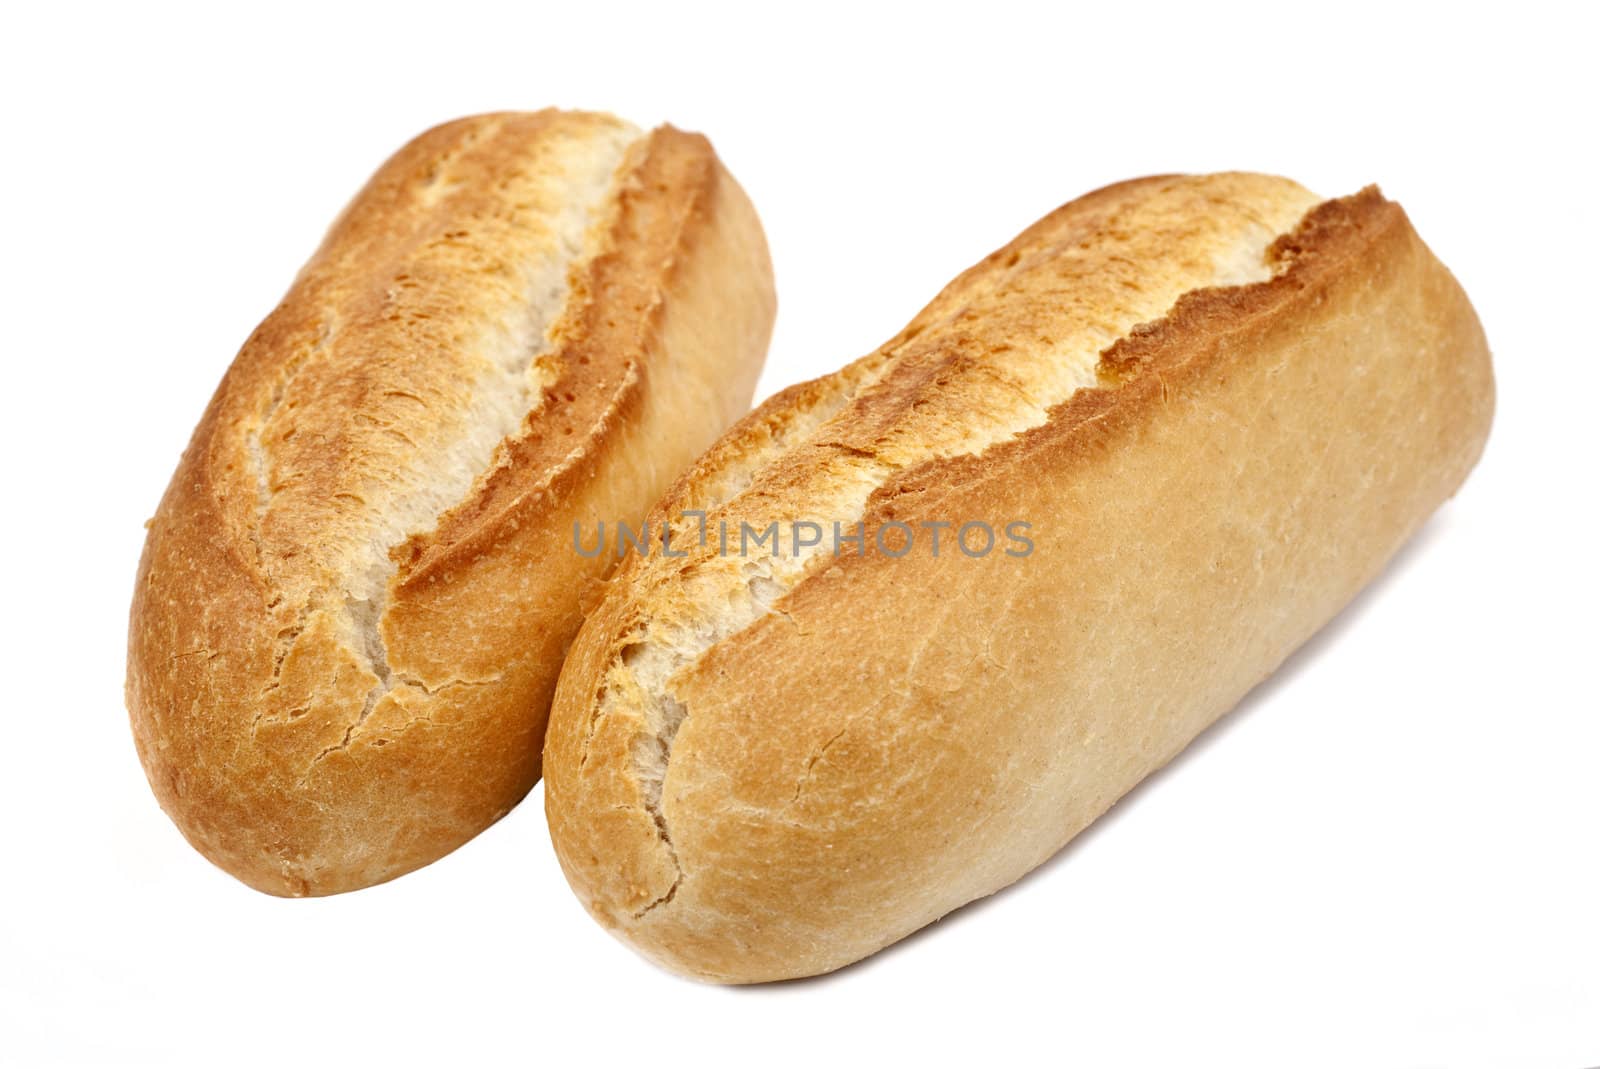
pixel 355 595
pixel 1219 405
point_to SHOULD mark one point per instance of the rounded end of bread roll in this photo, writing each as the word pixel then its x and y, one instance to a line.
pixel 701 880
pixel 303 776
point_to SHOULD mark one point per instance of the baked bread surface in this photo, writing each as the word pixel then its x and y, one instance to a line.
pixel 355 595
pixel 1221 405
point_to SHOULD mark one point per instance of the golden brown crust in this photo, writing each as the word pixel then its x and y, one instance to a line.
pixel 342 646
pixel 896 737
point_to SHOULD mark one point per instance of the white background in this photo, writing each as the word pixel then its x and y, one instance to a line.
pixel 1387 856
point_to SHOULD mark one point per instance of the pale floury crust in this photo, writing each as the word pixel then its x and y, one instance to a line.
pixel 355 596
pixel 1221 405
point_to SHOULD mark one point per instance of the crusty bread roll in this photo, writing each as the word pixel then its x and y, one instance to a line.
pixel 1219 404
pixel 355 595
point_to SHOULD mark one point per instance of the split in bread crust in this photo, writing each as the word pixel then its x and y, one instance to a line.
pixel 1221 406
